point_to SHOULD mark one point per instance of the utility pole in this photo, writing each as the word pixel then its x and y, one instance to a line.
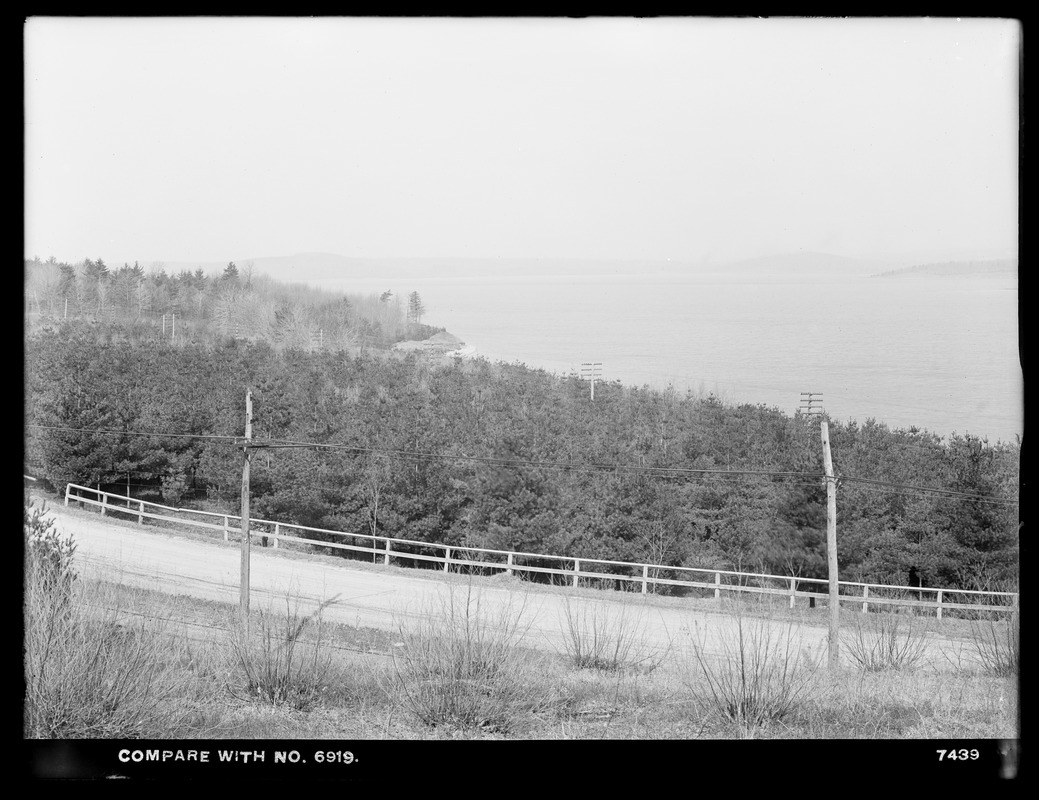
pixel 812 406
pixel 831 549
pixel 590 370
pixel 811 403
pixel 244 589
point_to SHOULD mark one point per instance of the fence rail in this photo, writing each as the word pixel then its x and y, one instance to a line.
pixel 639 576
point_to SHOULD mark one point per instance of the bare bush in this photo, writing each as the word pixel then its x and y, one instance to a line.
pixel 993 645
pixel 598 635
pixel 758 676
pixel 92 670
pixel 458 664
pixel 996 644
pixel 885 641
pixel 48 554
pixel 282 658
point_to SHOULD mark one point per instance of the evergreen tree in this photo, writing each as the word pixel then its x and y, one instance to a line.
pixel 415 308
pixel 230 275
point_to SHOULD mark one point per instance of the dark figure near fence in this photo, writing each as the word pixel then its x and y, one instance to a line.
pixel 914 577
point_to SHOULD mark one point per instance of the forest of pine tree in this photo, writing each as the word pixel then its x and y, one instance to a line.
pixel 470 452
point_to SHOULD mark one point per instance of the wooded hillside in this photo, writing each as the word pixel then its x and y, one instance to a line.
pixel 199 307
pixel 500 456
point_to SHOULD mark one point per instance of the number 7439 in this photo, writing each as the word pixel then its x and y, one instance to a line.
pixel 958 755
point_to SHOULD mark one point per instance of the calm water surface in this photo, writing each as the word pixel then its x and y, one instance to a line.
pixel 937 353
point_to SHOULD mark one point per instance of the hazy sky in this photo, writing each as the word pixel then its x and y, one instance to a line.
pixel 211 139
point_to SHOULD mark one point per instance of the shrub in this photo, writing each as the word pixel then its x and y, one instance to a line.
pixel 48 554
pixel 996 644
pixel 282 658
pixel 91 671
pixel 458 663
pixel 598 635
pixel 993 644
pixel 758 676
pixel 885 641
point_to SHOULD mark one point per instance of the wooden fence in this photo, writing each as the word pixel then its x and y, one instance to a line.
pixel 567 570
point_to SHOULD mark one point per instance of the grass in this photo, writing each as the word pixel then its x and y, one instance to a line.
pixel 547 698
pixel 96 669
pixel 924 704
pixel 162 667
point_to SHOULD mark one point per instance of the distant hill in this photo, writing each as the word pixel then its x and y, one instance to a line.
pixel 320 267
pixel 324 267
pixel 1003 266
pixel 803 264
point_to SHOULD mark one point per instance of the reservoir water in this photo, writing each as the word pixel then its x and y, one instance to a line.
pixel 935 352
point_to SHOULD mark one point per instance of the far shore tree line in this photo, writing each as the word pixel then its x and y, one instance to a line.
pixel 468 452
pixel 196 306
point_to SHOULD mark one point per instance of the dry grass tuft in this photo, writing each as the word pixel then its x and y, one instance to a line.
pixel 885 641
pixel 996 645
pixel 460 665
pixel 758 676
pixel 93 668
pixel 282 658
pixel 607 637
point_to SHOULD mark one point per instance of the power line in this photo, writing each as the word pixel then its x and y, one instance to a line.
pixel 489 460
pixel 136 433
pixel 661 471
pixel 565 467
pixel 896 490
pixel 854 449
pixel 931 490
pixel 855 452
pixel 513 462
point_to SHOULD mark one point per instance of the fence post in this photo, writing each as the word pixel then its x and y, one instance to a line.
pixel 645 577
pixel 140 513
pixel 793 592
pixel 277 533
pixel 447 560
pixel 939 605
pixel 67 487
pixel 104 503
pixel 577 569
pixel 226 535
pixel 386 558
pixel 865 597
pixel 509 562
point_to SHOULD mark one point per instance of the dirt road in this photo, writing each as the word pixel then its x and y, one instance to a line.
pixel 378 596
